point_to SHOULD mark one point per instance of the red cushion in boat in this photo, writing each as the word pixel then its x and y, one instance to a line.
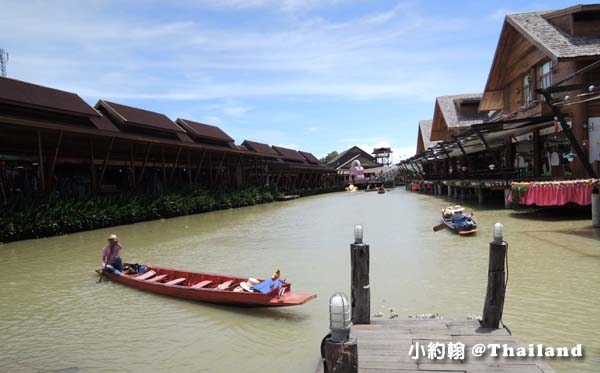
pixel 146 275
pixel 157 278
pixel 202 284
pixel 177 281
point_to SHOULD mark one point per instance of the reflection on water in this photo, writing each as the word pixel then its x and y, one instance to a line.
pixel 56 317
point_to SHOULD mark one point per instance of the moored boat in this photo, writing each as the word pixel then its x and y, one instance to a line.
pixel 463 225
pixel 212 288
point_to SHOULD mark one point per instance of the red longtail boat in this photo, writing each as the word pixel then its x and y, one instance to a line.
pixel 212 288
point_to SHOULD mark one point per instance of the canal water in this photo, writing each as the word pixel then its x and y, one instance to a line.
pixel 54 316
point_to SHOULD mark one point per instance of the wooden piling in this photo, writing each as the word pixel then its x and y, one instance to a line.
pixel 361 292
pixel 341 356
pixel 507 203
pixel 496 287
pixel 595 208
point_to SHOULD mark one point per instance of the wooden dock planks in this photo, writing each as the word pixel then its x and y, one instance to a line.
pixel 384 345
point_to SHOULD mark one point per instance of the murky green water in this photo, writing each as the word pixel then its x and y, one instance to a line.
pixel 53 314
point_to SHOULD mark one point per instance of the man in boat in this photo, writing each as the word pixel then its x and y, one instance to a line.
pixel 460 220
pixel 111 261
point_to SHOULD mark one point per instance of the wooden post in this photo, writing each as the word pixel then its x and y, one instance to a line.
pixel 163 168
pixel 132 159
pixel 189 166
pixel 175 166
pixel 42 174
pixel 141 178
pixel 199 168
pixel 496 287
pixel 53 164
pixel 99 186
pixel 507 203
pixel 92 165
pixel 340 357
pixel 360 286
pixel 595 208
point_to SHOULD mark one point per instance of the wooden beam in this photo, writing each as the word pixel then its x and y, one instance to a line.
pixel 163 167
pixel 139 180
pixel 53 164
pixel 110 144
pixel 132 159
pixel 210 170
pixel 199 167
pixel 219 171
pixel 41 162
pixel 189 166
pixel 175 165
pixel 92 165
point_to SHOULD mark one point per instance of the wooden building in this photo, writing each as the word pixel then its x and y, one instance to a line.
pixel 539 115
pixel 535 51
pixel 343 162
pixel 52 140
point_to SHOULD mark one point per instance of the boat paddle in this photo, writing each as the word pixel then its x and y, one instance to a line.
pixel 439 227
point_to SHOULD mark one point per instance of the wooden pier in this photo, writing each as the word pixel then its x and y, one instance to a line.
pixel 384 346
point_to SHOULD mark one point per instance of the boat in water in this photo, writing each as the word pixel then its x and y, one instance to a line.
pixel 455 219
pixel 212 288
pixel 381 190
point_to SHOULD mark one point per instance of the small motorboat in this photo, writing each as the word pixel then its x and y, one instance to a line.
pixel 351 188
pixel 381 190
pixel 212 288
pixel 467 224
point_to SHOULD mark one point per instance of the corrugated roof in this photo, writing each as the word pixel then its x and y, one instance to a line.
pixel 425 127
pixel 259 147
pixel 204 131
pixel 20 93
pixel 310 158
pixel 545 35
pixel 450 108
pixel 128 115
pixel 289 154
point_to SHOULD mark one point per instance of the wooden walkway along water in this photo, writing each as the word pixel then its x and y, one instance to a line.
pixel 384 346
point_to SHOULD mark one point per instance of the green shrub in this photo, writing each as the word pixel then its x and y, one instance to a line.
pixel 36 217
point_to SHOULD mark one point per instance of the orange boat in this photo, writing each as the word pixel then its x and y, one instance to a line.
pixel 212 288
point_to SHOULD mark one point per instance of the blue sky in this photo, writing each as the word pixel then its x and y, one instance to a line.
pixel 307 74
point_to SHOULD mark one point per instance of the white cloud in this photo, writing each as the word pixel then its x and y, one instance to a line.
pixel 90 49
pixel 311 129
pixel 215 121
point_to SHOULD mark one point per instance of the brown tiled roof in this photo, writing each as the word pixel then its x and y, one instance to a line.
pixel 425 127
pixel 259 147
pixel 128 115
pixel 310 158
pixel 450 108
pixel 289 154
pixel 16 92
pixel 103 123
pixel 204 131
pixel 550 38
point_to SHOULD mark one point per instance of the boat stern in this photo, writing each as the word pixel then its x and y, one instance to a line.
pixel 291 298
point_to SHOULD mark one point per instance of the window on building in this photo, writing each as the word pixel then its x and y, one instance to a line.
pixel 527 97
pixel 545 74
